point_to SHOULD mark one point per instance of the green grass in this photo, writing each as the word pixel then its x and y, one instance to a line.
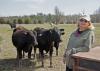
pixel 8 53
pixel 0 38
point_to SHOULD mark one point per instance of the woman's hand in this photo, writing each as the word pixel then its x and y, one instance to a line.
pixel 66 54
pixel 64 59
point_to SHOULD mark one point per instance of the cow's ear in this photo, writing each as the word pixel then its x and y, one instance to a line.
pixel 62 33
pixel 14 30
pixel 61 29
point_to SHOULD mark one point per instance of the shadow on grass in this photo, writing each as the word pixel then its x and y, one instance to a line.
pixel 16 65
pixel 22 65
pixel 46 57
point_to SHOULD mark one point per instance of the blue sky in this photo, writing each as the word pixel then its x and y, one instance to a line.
pixel 27 7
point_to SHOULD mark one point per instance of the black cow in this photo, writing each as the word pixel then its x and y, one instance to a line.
pixel 47 38
pixel 56 43
pixel 13 26
pixel 23 40
pixel 38 31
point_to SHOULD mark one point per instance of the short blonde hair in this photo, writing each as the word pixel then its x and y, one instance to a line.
pixel 91 26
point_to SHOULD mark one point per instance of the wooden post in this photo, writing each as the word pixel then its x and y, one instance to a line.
pixel 76 64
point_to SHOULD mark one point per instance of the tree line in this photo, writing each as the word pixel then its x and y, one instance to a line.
pixel 57 18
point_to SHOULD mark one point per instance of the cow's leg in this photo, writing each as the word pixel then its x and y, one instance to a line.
pixel 39 53
pixel 57 51
pixel 42 56
pixel 23 54
pixel 34 52
pixel 29 52
pixel 42 59
pixel 19 58
pixel 56 46
pixel 19 53
pixel 51 52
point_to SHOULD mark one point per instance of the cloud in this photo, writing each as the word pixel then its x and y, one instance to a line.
pixel 36 1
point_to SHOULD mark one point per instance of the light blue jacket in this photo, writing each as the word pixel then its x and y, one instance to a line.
pixel 78 43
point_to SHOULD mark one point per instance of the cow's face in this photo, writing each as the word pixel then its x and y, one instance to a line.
pixel 34 38
pixel 56 36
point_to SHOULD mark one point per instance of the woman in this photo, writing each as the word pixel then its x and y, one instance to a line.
pixel 80 40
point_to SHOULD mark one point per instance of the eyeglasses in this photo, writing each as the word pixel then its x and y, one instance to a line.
pixel 83 20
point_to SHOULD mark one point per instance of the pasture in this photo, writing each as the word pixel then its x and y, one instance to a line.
pixel 8 51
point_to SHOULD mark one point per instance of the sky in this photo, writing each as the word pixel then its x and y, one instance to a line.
pixel 28 7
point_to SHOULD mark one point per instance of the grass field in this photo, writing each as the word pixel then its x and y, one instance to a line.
pixel 8 51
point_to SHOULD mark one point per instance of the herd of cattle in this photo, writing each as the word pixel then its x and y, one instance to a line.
pixel 43 39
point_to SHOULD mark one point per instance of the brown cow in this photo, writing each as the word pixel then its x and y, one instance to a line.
pixel 23 40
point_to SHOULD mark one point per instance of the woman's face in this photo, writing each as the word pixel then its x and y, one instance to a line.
pixel 83 24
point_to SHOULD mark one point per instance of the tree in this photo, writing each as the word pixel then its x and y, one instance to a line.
pixel 48 18
pixel 41 18
pixel 27 21
pixel 8 22
pixel 59 16
pixel 72 19
pixel 97 11
pixel 15 21
pixel 20 21
pixel 2 21
pixel 95 18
